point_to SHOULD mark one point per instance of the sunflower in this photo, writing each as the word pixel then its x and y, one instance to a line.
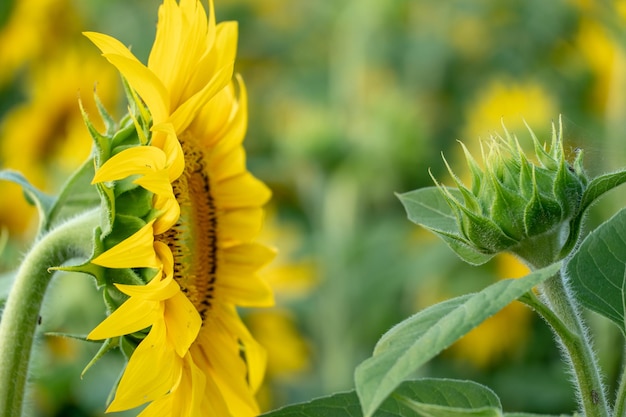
pixel 183 212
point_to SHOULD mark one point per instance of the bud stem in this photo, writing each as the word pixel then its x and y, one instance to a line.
pixel 562 314
pixel 70 240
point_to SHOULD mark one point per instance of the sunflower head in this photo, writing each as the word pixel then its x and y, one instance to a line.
pixel 514 202
pixel 175 251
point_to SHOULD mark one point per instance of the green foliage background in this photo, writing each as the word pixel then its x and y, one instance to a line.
pixel 351 101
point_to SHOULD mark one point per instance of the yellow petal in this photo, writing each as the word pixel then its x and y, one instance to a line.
pixel 166 42
pixel 187 111
pixel 147 85
pixel 139 160
pixel 183 322
pixel 186 399
pixel 165 256
pixel 153 369
pixel 221 345
pixel 169 214
pixel 214 116
pixel 157 182
pixel 156 290
pixel 164 137
pixel 108 44
pixel 133 315
pixel 246 258
pixel 241 224
pixel 240 191
pixel 256 356
pixel 227 162
pixel 137 251
pixel 246 291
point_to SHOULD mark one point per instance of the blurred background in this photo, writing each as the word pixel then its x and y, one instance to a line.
pixel 351 101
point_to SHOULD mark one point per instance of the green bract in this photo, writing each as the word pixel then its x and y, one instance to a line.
pixel 514 203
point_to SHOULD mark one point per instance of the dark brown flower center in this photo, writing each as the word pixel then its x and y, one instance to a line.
pixel 193 239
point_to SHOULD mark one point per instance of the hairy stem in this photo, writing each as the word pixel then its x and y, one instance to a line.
pixel 561 313
pixel 21 314
pixel 620 399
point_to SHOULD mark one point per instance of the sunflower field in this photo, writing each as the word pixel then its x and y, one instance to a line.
pixel 270 274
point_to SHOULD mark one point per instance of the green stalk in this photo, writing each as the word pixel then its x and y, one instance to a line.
pixel 562 315
pixel 620 400
pixel 72 239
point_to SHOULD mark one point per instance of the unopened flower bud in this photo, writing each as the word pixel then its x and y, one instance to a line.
pixel 514 203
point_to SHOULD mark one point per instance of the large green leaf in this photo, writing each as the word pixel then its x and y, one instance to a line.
pixel 411 399
pixel 413 342
pixel 429 208
pixel 451 398
pixel 597 271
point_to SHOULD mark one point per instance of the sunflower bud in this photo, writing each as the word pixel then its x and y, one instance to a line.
pixel 515 204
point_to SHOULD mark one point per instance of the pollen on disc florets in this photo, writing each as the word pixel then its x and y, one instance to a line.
pixel 512 201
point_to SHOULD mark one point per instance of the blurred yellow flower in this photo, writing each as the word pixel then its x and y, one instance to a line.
pixel 35 29
pixel 276 330
pixel 511 100
pixel 47 150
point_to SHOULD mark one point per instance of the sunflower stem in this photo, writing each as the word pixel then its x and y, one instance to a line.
pixel 620 399
pixel 69 240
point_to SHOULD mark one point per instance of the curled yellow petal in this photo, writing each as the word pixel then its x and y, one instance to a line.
pixel 133 315
pixel 137 251
pixel 140 160
pixel 153 369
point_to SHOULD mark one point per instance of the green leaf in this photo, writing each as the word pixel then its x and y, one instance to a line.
pixel 451 398
pixel 597 271
pixel 429 208
pixel 601 185
pixel 596 188
pixel 413 342
pixel 539 415
pixel 42 201
pixel 435 393
pixel 77 194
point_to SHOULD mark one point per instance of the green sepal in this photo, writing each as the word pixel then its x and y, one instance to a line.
pixel 96 271
pixel 475 170
pixel 101 142
pixel 124 226
pixel 568 189
pixel 504 210
pixel 109 123
pixel 540 214
pixel 126 136
pixel 137 107
pixel 88 268
pixel 579 169
pixel 32 194
pixel 484 234
pixel 128 346
pixel 430 208
pixel 527 172
pixel 105 347
pixel 544 157
pixel 136 202
pixel 107 204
